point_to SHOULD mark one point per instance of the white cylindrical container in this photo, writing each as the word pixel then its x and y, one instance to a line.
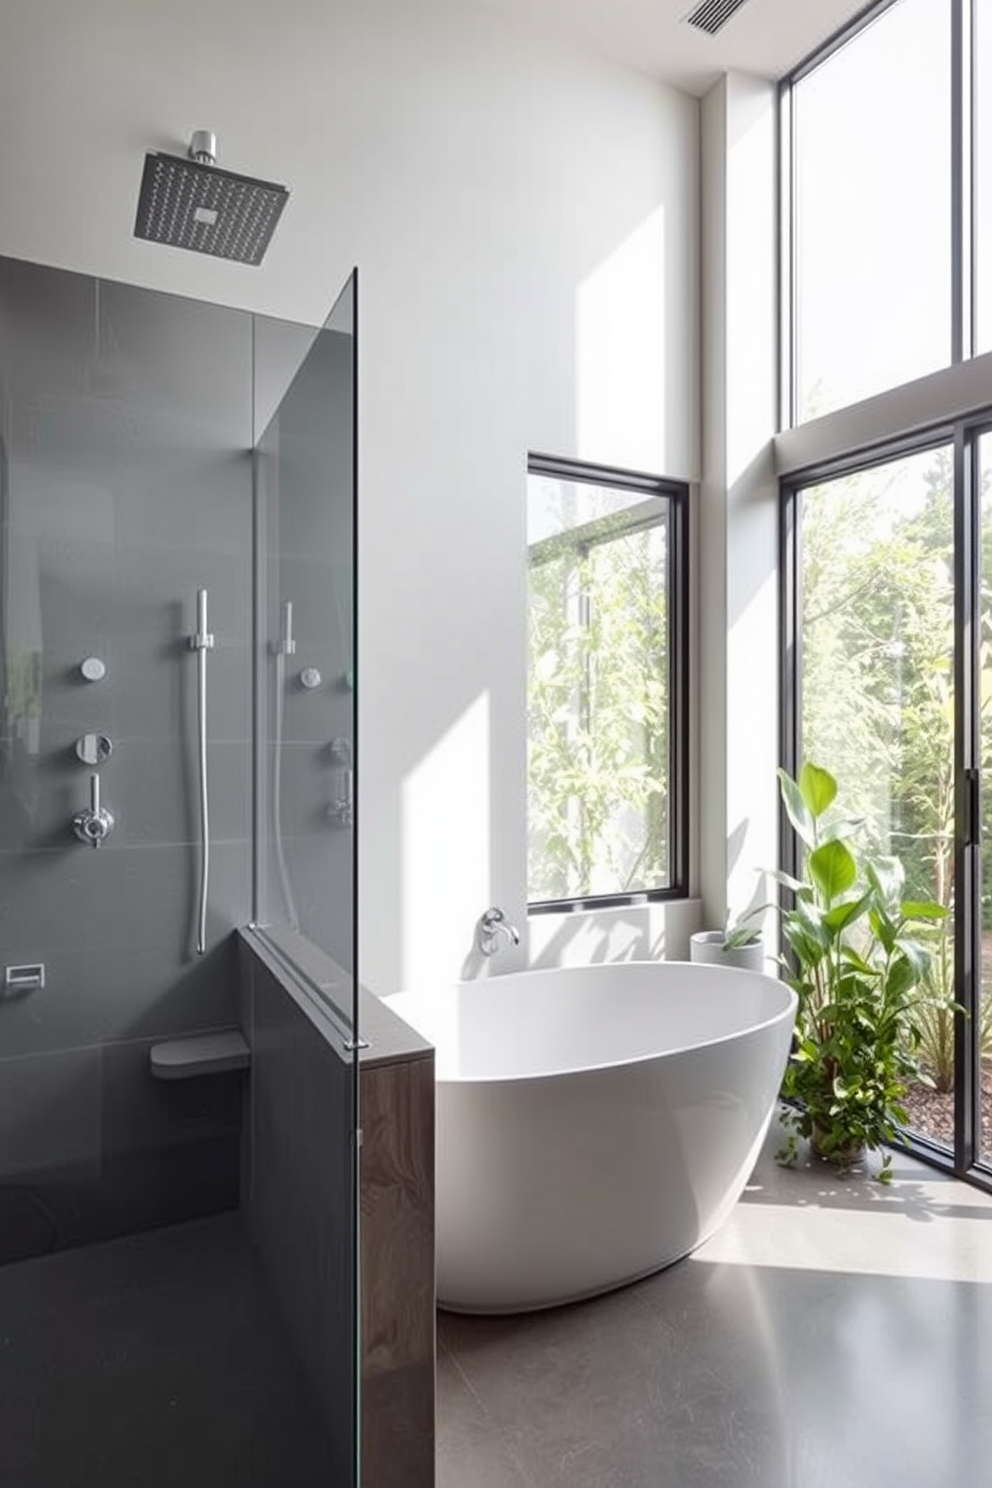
pixel 708 948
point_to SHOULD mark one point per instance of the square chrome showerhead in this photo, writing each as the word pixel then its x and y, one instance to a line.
pixel 186 203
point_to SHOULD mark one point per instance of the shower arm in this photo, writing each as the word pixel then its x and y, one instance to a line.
pixel 201 643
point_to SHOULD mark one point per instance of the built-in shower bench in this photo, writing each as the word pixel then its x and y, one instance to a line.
pixel 200 1054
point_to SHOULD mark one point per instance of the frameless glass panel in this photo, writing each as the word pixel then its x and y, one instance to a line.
pixel 877 696
pixel 983 1032
pixel 306 668
pixel 144 1340
pixel 598 691
pixel 303 1214
pixel 872 191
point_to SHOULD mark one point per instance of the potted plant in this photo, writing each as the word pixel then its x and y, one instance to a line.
pixel 860 969
pixel 739 945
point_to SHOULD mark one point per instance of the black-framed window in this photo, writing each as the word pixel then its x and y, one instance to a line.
pixel 607 771
pixel 887 681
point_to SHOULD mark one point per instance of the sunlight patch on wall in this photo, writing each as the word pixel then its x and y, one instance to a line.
pixel 446 869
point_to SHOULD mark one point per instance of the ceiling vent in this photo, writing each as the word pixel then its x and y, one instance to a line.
pixel 712 15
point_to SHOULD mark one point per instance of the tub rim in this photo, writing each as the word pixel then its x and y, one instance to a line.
pixel 789 1011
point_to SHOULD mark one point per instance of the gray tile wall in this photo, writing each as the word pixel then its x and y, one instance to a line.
pixel 125 485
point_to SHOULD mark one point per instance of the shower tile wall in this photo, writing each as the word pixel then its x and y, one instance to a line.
pixel 125 485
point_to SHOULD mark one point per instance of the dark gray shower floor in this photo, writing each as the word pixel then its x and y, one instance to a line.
pixel 156 1361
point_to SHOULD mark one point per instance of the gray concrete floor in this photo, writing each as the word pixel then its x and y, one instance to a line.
pixel 156 1361
pixel 834 1334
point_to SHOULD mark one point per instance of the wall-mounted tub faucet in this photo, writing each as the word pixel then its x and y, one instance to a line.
pixel 93 824
pixel 491 926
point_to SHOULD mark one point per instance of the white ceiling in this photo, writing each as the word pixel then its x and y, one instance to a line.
pixel 291 87
pixel 764 37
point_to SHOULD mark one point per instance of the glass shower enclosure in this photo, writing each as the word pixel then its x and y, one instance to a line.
pixel 178 979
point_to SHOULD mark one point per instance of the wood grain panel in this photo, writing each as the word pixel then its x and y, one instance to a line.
pixel 397 1270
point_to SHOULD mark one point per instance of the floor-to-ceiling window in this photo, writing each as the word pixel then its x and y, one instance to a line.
pixel 886 461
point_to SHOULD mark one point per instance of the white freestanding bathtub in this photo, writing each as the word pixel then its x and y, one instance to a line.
pixel 593 1124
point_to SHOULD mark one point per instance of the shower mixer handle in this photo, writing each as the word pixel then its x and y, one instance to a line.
pixel 93 824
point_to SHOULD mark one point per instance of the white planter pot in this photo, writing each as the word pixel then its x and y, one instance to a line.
pixel 708 946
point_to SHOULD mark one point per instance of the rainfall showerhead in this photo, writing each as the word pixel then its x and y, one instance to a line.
pixel 188 202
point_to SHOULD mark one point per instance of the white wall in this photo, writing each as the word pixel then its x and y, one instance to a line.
pixel 528 281
pixel 525 222
pixel 738 579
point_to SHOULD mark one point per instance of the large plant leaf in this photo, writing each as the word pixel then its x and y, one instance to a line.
pixel 846 913
pixel 805 932
pixel 779 876
pixel 882 928
pixel 832 869
pixel 817 788
pixel 842 826
pixel 858 962
pixel 887 876
pixel 796 809
pixel 923 909
pixel 916 954
pixel 903 976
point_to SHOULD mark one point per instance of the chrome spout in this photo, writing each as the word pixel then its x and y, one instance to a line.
pixel 491 926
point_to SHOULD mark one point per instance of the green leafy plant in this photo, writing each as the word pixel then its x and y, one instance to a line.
pixel 741 930
pixel 937 1014
pixel 739 933
pixel 860 969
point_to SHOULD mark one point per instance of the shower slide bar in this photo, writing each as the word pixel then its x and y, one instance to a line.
pixel 201 643
pixel 285 646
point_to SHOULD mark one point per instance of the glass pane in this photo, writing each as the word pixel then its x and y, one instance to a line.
pixel 877 636
pixel 305 488
pixel 984 1029
pixel 301 1215
pixel 598 691
pixel 873 211
pixel 983 178
pixel 144 1340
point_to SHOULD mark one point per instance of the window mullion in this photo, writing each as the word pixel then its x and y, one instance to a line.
pixel 967 752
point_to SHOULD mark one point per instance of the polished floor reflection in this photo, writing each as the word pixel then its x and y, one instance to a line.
pixel 835 1334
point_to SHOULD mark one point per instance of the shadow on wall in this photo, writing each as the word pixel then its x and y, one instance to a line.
pixel 641 932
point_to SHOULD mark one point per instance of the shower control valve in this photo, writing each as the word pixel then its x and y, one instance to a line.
pixel 93 824
pixel 342 809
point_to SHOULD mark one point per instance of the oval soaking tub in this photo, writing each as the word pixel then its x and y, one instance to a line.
pixel 594 1124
